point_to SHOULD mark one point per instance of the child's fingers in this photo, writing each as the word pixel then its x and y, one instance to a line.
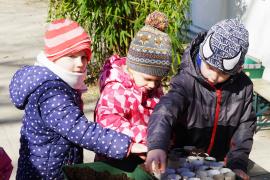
pixel 142 156
pixel 151 164
pixel 241 174
pixel 158 156
pixel 148 164
pixel 162 165
pixel 155 167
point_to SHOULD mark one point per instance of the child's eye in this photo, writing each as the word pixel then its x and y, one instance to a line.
pixel 211 68
pixel 84 58
pixel 223 73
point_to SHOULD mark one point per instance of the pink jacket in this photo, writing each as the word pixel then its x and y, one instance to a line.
pixel 122 105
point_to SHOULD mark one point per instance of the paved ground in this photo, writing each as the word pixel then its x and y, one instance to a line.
pixel 22 26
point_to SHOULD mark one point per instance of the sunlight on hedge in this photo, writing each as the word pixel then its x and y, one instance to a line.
pixel 112 24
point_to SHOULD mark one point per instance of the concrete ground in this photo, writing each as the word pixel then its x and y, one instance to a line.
pixel 22 26
pixel 260 153
pixel 21 35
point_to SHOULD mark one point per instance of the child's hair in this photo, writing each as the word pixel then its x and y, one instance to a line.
pixel 150 49
pixel 65 37
pixel 225 46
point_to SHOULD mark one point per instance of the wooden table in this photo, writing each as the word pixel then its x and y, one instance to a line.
pixel 262 101
pixel 262 87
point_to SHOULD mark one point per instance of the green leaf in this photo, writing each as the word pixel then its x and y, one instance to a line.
pixel 112 24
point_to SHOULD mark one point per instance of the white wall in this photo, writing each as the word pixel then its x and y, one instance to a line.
pixel 257 21
pixel 255 14
pixel 205 13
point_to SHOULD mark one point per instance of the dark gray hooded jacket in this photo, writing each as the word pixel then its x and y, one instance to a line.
pixel 218 119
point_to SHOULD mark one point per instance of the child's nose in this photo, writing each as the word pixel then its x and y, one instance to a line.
pixel 215 75
pixel 151 84
pixel 79 61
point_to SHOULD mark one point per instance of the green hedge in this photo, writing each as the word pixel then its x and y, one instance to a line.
pixel 112 24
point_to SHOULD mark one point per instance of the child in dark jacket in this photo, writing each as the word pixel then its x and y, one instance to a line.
pixel 55 129
pixel 209 105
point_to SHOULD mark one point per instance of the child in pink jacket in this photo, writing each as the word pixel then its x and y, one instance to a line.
pixel 130 86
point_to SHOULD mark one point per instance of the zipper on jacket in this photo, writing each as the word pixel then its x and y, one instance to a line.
pixel 218 103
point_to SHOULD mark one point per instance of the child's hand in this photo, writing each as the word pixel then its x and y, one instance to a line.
pixel 138 148
pixel 241 174
pixel 156 161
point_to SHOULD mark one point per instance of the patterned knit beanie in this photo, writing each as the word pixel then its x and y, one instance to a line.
pixel 150 49
pixel 225 46
pixel 65 37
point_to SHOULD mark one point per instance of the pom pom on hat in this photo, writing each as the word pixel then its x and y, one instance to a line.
pixel 158 20
pixel 65 37
pixel 150 51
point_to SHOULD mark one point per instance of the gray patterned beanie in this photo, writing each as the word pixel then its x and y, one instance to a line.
pixel 225 46
pixel 150 49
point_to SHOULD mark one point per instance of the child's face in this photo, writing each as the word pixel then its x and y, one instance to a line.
pixel 74 63
pixel 212 74
pixel 148 82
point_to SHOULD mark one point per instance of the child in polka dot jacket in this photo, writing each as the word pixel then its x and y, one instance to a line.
pixel 55 129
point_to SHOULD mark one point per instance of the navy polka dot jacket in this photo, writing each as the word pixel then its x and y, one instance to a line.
pixel 54 129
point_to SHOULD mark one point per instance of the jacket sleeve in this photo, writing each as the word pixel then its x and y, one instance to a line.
pixel 63 116
pixel 242 140
pixel 166 112
pixel 113 111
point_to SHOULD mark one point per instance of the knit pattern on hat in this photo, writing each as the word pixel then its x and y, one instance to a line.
pixel 65 37
pixel 150 49
pixel 225 46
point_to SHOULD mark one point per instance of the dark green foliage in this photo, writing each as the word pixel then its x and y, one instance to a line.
pixel 112 24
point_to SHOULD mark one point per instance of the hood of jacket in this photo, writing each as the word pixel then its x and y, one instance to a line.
pixel 27 80
pixel 188 63
pixel 114 70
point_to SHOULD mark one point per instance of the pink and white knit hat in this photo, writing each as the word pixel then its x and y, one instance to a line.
pixel 65 37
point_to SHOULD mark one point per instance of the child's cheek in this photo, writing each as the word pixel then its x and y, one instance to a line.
pixel 139 82
pixel 143 89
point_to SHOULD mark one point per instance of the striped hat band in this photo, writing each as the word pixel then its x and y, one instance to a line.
pixel 65 37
